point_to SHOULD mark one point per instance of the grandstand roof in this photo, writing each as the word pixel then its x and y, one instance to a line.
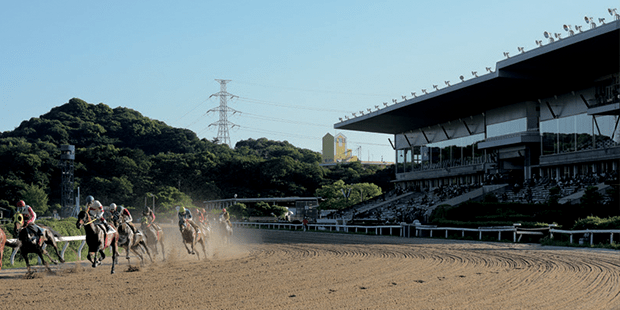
pixel 566 65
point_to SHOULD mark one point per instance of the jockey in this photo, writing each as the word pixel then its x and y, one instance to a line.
pixel 120 212
pixel 29 218
pixel 226 216
pixel 149 215
pixel 186 215
pixel 202 216
pixel 95 209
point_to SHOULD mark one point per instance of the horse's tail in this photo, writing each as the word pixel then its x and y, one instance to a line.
pixel 55 233
pixel 13 244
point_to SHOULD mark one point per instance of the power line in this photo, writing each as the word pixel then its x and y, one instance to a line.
pixel 190 111
pixel 313 90
pixel 281 120
pixel 290 105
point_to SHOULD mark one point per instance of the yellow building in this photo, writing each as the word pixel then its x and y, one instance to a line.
pixel 335 149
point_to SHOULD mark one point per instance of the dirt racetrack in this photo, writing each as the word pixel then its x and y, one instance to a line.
pixel 266 269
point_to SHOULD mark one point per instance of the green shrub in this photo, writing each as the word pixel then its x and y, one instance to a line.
pixel 594 222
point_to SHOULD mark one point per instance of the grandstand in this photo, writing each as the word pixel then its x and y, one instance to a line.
pixel 545 117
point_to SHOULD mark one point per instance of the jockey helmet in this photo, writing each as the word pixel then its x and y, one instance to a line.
pixel 113 206
pixel 89 199
pixel 21 204
pixel 96 204
pixel 223 209
pixel 182 210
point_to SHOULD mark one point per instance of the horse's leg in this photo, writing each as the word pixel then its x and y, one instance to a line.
pixel 90 258
pixel 144 247
pixel 52 242
pixel 47 266
pixel 187 248
pixel 114 246
pixel 43 251
pixel 135 250
pixel 195 236
pixel 204 247
pixel 25 257
pixel 127 247
pixel 161 241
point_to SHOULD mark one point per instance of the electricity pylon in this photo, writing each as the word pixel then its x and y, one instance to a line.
pixel 223 124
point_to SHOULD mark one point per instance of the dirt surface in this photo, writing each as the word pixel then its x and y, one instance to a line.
pixel 266 269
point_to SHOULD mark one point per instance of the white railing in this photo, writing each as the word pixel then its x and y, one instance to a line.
pixel 480 230
pixel 378 230
pixel 587 233
pixel 62 252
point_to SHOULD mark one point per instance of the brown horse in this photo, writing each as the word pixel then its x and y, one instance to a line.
pixel 130 241
pixel 3 241
pixel 191 236
pixel 28 242
pixel 97 239
pixel 154 235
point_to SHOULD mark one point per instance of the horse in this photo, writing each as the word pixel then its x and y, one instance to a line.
pixel 3 241
pixel 28 242
pixel 225 231
pixel 154 234
pixel 130 241
pixel 191 236
pixel 97 239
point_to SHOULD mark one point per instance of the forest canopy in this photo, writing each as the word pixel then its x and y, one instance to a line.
pixel 124 157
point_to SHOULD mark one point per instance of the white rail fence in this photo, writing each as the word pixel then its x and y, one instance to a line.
pixel 378 230
pixel 403 230
pixel 64 247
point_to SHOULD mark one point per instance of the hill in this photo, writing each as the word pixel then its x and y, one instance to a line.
pixel 125 157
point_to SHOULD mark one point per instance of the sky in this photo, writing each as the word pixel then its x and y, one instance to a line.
pixel 296 67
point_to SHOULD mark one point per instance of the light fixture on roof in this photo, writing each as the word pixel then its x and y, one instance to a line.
pixel 340 118
pixel 548 36
pixel 613 13
pixel 346 117
pixel 404 97
pixel 539 43
pixel 601 20
pixel 436 87
pixel 567 29
pixel 474 73
pixel 413 94
pixel 447 83
pixel 590 20
pixel 369 110
pixel 489 70
pixel 424 91
pixel 354 114
pixel 558 36
pixel 521 49
pixel 506 55
pixel 578 28
pixel 377 107
pixel 362 112
pixel 385 104
pixel 394 100
pixel 462 78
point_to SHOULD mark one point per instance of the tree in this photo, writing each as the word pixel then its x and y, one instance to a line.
pixel 35 197
pixel 238 210
pixel 339 195
pixel 169 197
